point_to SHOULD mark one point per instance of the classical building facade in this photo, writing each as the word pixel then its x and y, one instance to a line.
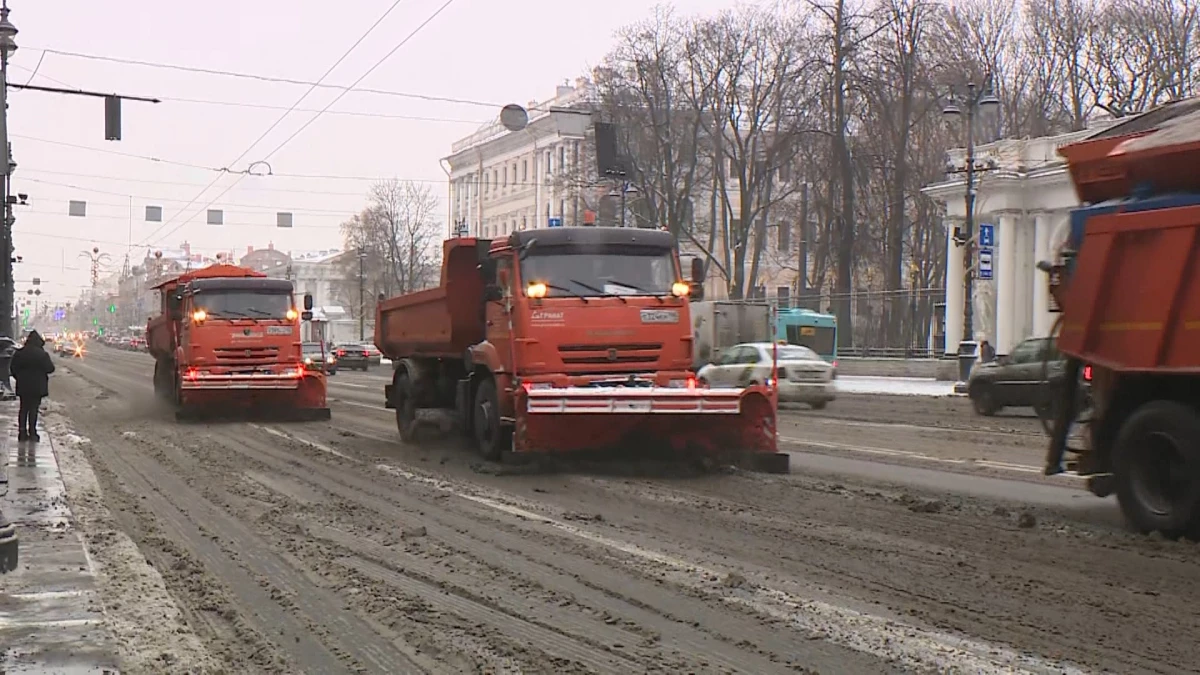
pixel 1026 194
pixel 501 180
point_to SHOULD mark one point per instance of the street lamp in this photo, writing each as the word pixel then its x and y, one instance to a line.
pixel 362 302
pixel 8 45
pixel 964 107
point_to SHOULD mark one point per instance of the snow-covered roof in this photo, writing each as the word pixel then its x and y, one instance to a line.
pixel 318 257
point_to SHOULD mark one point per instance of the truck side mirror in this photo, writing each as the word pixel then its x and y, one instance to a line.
pixel 697 271
pixel 175 306
pixel 493 293
pixel 308 301
pixel 306 315
pixel 696 291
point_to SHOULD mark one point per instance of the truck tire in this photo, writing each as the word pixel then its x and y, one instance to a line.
pixel 404 397
pixel 1156 469
pixel 491 437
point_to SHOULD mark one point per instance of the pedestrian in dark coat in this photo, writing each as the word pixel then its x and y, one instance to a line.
pixel 31 366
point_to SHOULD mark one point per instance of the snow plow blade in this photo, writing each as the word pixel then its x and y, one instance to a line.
pixel 736 426
pixel 290 399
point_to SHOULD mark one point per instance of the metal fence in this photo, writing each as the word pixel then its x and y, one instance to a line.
pixel 907 323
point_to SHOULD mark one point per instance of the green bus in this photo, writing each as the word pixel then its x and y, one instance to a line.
pixel 817 331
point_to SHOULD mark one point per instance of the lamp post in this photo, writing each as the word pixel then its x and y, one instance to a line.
pixel 965 106
pixel 362 299
pixel 8 45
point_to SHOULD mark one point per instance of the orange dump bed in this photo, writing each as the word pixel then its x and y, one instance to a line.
pixel 442 321
pixel 1132 299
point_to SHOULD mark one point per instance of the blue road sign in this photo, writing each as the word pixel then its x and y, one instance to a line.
pixel 987 236
pixel 555 222
pixel 985 262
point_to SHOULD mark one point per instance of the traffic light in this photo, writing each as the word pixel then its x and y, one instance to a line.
pixel 95 322
pixel 112 309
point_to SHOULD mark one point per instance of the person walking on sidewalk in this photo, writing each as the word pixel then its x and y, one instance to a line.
pixel 31 367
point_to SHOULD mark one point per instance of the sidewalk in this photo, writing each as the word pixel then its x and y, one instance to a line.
pixel 50 618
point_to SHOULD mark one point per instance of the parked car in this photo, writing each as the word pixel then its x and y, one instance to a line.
pixel 318 358
pixel 804 377
pixel 1024 378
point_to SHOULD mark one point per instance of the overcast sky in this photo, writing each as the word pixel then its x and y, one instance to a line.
pixel 484 51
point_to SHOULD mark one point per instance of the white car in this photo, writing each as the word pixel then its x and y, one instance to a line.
pixel 804 377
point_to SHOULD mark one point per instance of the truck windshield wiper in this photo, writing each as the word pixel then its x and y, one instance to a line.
pixel 262 312
pixel 600 291
pixel 230 313
pixel 567 290
pixel 639 289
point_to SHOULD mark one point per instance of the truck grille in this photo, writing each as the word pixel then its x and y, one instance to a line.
pixel 246 356
pixel 610 354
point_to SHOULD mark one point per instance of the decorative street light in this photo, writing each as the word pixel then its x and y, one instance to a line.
pixel 8 45
pixel 965 106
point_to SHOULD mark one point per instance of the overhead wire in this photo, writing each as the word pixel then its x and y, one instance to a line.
pixel 166 200
pixel 277 122
pixel 265 78
pixel 265 106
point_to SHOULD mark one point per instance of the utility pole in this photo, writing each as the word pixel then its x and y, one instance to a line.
pixel 362 298
pixel 802 249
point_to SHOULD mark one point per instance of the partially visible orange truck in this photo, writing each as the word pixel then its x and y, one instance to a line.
pixel 1128 282
pixel 228 339
pixel 566 340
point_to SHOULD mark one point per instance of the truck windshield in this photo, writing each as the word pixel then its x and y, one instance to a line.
pixel 570 272
pixel 244 304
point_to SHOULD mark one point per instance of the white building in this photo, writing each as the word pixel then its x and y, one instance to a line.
pixel 1026 194
pixel 501 181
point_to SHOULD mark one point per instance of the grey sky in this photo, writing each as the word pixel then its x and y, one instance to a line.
pixel 481 50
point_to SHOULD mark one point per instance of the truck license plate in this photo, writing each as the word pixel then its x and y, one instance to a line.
pixel 279 330
pixel 660 316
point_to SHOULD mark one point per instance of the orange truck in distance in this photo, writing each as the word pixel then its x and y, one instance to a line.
pixel 566 340
pixel 228 339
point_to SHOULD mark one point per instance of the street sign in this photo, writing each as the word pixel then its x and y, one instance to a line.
pixel 556 222
pixel 985 262
pixel 987 236
pixel 37 281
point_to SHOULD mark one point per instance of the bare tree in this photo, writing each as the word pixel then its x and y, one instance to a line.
pixel 397 236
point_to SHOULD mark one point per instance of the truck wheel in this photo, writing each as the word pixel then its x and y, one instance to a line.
pixel 818 405
pixel 1156 468
pixel 491 437
pixel 405 400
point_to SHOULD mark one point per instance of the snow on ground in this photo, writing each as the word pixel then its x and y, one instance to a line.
pixel 901 386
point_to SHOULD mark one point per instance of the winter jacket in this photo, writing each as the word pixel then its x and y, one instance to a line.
pixel 31 367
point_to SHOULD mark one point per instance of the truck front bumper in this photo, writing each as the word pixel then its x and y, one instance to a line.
pixel 207 381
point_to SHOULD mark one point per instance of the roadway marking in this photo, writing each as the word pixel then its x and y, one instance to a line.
pixel 348 384
pixel 868 633
pixel 907 454
pixel 305 441
pixel 360 405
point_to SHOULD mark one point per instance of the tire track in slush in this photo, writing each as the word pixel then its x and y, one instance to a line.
pixel 499 550
pixel 319 608
pixel 849 633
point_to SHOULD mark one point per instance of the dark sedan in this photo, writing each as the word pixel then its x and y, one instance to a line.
pixel 1025 378
pixel 352 357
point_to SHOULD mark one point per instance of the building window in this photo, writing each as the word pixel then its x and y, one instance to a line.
pixel 524 170
pixel 505 177
pixel 784 295
pixel 495 178
pixel 562 208
pixel 549 164
pixel 562 158
pixel 514 174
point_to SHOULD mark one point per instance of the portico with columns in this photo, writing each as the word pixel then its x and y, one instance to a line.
pixel 1027 195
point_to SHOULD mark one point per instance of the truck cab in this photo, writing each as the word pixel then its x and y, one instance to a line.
pixel 583 306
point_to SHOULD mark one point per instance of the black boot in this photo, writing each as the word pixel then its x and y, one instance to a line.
pixel 8 545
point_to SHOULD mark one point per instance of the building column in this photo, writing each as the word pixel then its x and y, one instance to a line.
pixel 1043 319
pixel 1023 302
pixel 955 281
pixel 1006 259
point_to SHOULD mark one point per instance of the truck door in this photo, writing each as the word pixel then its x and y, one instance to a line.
pixel 496 312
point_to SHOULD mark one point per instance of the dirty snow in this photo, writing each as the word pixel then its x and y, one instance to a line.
pixel 896 386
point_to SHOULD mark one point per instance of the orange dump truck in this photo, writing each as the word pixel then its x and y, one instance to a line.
pixel 1128 282
pixel 566 340
pixel 228 339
